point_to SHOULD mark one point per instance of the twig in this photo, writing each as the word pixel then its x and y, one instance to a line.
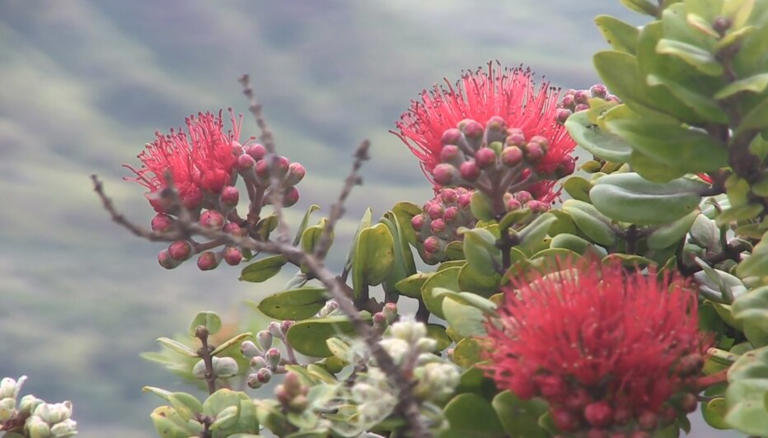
pixel 204 353
pixel 337 209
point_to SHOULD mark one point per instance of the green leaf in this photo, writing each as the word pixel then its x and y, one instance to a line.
pixel 447 278
pixel 714 413
pixel 473 280
pixel 590 221
pixel 263 269
pixel 467 352
pixel 693 151
pixel 209 320
pixel 176 346
pixel 294 304
pixel 374 256
pixel 309 336
pixel 480 250
pixel 578 188
pixel 630 198
pixel 620 35
pixel 670 234
pixel 463 319
pixel 738 11
pixel 642 6
pixel 520 417
pixel 481 206
pixel 757 263
pixel 700 59
pixel 745 400
pixel 471 416
pixel 476 381
pixel 169 424
pixel 604 145
pixel 235 340
pixel 755 119
pixel 304 222
pixel 706 107
pixel 311 236
pixel 619 71
pixel 221 400
pixel 411 286
pixel 532 235
pixel 437 332
pixel 403 264
pixel 751 310
pixel 753 84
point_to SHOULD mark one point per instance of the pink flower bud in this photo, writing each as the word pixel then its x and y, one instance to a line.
pixel 283 163
pixel 161 222
pixel 515 137
pixel 290 197
pixel 598 414
pixel 648 420
pixel 437 226
pixel 296 173
pixel 511 156
pixel 563 114
pixel 496 123
pixel 232 256
pixel 234 229
pixel 449 196
pixel 212 219
pixel 471 129
pixel 568 101
pixel 379 320
pixel 565 168
pixel 465 199
pixel 262 169
pixel 432 244
pixel 537 206
pixel 208 260
pixel 264 338
pixel 534 151
pixel 512 204
pixel 180 250
pixel 245 162
pixel 551 386
pixel 485 157
pixel 451 136
pixel 273 356
pixel 229 196
pixel 581 96
pixel 581 107
pixel 523 196
pixel 598 90
pixel 443 173
pixel 390 311
pixel 450 214
pixel 237 148
pixel 165 260
pixel 469 170
pixel 435 211
pixel 264 375
pixel 564 420
pixel 417 222
pixel 286 325
pixel 449 153
pixel 689 402
pixel 256 151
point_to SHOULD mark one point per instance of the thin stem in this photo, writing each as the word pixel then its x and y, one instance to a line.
pixel 204 353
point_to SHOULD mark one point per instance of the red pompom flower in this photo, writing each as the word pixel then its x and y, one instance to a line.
pixel 608 350
pixel 200 161
pixel 501 105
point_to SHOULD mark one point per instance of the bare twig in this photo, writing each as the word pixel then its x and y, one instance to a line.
pixel 205 354
pixel 268 140
pixel 337 209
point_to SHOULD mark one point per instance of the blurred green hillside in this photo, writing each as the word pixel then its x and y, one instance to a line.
pixel 84 84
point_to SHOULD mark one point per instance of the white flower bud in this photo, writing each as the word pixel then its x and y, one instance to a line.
pixel 9 388
pixel 199 369
pixel 396 347
pixel 64 429
pixel 249 349
pixel 53 413
pixel 37 428
pixel 426 345
pixel 225 367
pixel 265 338
pixel 7 408
pixel 410 331
pixel 28 403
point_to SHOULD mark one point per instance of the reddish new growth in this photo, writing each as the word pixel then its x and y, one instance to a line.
pixel 445 128
pixel 609 351
pixel 199 162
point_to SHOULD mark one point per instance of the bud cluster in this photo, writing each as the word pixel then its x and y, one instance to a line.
pixel 583 412
pixel 574 101
pixel 292 394
pixel 33 416
pixel 385 317
pixel 266 359
pixel 440 220
pixel 496 159
pixel 218 211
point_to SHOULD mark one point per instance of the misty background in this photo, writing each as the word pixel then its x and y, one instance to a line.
pixel 85 84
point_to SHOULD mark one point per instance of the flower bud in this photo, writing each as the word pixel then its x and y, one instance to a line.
pixel 37 428
pixel 565 168
pixel 299 403
pixel 7 409
pixel 465 199
pixel 258 362
pixel 53 413
pixel 290 197
pixel 598 414
pixel 286 325
pixel 523 196
pixel 598 90
pixel 596 433
pixel 264 338
pixel 495 129
pixel 567 101
pixel 225 367
pixel 390 312
pixel 256 151
pixel 249 349
pixel 485 157
pixel 230 196
pixel 581 107
pixel 292 384
pixel 379 321
pixel 443 173
pixel 264 375
pixel 432 244
pixel 450 153
pixel 234 229
pixel 262 169
pixel 208 260
pixel 232 256
pixel 426 344
pixel 534 151
pixel 180 250
pixel 551 386
pixel 245 162
pixel 212 219
pixel 472 129
pixel 512 204
pixel 450 214
pixel 273 357
pixel 198 370
pixel 511 156
pixel 537 206
pixel 296 173
pixel 9 388
pixel 417 222
pixel 29 403
pixel 515 137
pixel 64 429
pixel 449 196
pixel 648 420
pixel 469 170
pixel 564 420
pixel 165 260
pixel 562 115
pixel 435 211
pixel 161 223
pixel 408 330
pixel 253 381
pixel 437 226
pixel 689 402
pixel 451 136
pixel 275 329
pixel 580 96
pixel 722 24
pixel 283 163
pixel 237 148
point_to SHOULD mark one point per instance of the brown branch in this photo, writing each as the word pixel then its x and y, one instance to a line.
pixel 337 209
pixel 204 353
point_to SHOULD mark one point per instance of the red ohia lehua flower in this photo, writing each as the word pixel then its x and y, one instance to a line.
pixel 201 161
pixel 609 351
pixel 494 122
